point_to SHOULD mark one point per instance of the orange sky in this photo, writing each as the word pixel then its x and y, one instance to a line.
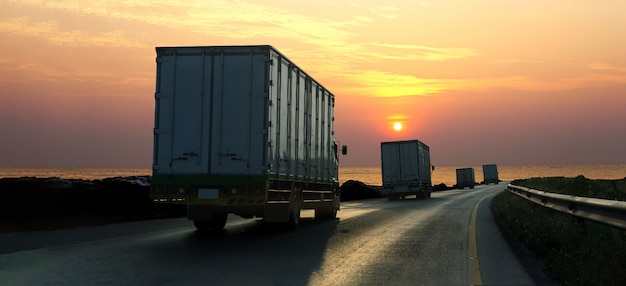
pixel 506 82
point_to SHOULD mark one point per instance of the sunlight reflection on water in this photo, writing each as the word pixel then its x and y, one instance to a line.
pixel 447 175
pixel 85 173
pixel 367 175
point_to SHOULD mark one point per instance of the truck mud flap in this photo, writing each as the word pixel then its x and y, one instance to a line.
pixel 276 212
pixel 279 207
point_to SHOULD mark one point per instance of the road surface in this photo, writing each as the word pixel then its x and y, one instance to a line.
pixel 450 239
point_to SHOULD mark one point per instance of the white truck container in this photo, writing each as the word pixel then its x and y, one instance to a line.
pixel 242 130
pixel 490 174
pixel 406 169
pixel 465 178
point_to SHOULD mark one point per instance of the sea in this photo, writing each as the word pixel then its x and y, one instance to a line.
pixel 368 175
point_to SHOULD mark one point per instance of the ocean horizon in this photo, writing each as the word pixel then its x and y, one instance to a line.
pixel 367 175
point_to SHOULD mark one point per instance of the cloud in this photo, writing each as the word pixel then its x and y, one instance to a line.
pixel 415 52
pixel 364 19
pixel 608 68
pixel 308 39
pixel 231 19
pixel 388 12
pixel 49 30
pixel 386 84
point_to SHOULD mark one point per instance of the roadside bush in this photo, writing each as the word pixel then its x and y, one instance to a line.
pixel 575 252
pixel 578 186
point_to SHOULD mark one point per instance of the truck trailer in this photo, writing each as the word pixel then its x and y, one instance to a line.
pixel 242 130
pixel 465 178
pixel 406 169
pixel 490 174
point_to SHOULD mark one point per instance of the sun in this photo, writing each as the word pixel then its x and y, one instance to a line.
pixel 397 126
pixel 396 122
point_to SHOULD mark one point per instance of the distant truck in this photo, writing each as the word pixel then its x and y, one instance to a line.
pixel 406 169
pixel 490 174
pixel 465 178
pixel 242 130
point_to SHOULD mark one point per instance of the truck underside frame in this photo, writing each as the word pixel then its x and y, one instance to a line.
pixel 210 199
pixel 401 191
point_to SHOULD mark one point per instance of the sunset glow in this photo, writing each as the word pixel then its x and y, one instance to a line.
pixel 508 82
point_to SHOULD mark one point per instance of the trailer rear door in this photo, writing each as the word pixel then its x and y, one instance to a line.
pixel 180 134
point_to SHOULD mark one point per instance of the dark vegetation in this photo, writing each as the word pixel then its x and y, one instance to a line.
pixel 574 252
pixel 30 203
pixel 578 186
pixel 53 203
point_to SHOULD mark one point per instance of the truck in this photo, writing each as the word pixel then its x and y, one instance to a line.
pixel 465 178
pixel 490 174
pixel 242 130
pixel 406 169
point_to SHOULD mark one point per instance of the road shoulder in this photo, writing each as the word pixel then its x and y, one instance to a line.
pixel 503 260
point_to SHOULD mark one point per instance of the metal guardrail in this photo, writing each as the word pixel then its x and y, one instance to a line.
pixel 607 212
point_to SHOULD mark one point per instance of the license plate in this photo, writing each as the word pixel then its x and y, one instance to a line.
pixel 208 194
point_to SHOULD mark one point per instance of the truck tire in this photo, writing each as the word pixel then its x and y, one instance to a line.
pixel 294 210
pixel 214 224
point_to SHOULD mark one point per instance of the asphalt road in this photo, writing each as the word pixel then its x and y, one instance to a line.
pixel 450 239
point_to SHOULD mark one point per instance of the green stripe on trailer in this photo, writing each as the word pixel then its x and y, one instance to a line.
pixel 203 180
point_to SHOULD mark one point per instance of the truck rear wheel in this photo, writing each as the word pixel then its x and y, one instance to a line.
pixel 214 224
pixel 294 210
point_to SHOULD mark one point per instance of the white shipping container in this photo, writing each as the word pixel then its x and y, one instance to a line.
pixel 465 178
pixel 241 110
pixel 490 174
pixel 406 168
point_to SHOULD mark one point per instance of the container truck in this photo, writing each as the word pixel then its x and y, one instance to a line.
pixel 465 178
pixel 490 174
pixel 242 130
pixel 406 169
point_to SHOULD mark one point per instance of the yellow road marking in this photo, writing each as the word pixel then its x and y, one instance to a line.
pixel 474 266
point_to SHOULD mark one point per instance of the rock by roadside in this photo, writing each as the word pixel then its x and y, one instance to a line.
pixel 357 190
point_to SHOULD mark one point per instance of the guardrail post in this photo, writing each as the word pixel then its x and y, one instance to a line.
pixel 580 222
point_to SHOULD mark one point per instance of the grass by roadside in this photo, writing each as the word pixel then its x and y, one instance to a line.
pixel 578 186
pixel 573 252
